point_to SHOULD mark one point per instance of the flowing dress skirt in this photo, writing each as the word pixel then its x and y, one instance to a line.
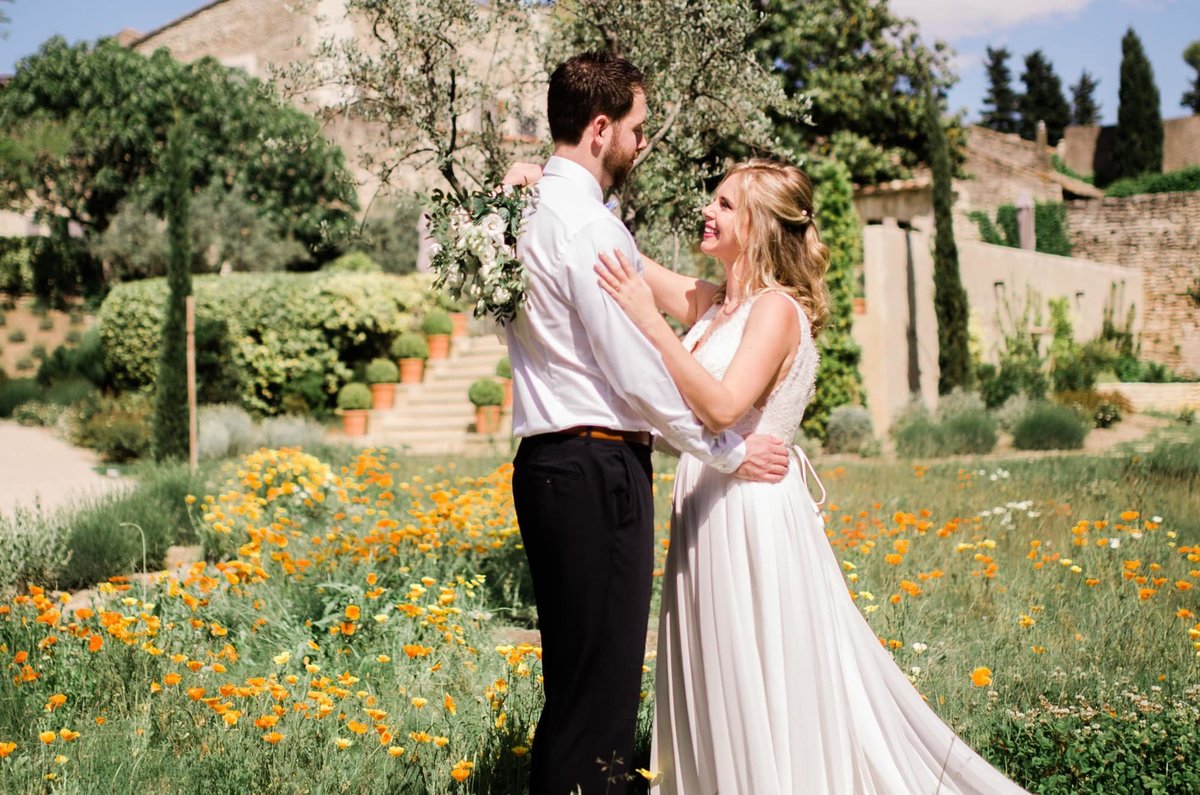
pixel 769 680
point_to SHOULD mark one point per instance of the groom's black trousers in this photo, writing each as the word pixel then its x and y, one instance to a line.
pixel 586 514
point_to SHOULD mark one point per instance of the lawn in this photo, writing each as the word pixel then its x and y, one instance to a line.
pixel 354 636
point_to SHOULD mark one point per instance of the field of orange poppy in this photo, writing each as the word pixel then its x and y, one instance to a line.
pixel 362 625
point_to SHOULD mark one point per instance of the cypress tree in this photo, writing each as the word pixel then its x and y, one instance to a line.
pixel 1043 100
pixel 1138 147
pixel 949 297
pixel 170 403
pixel 1000 104
pixel 1084 108
pixel 1191 97
pixel 838 378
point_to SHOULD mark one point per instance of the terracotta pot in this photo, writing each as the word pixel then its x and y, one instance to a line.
pixel 412 371
pixel 439 346
pixel 383 396
pixel 354 422
pixel 460 324
pixel 860 306
pixel 507 384
pixel 487 419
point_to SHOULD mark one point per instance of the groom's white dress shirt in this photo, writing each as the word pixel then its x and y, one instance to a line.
pixel 577 359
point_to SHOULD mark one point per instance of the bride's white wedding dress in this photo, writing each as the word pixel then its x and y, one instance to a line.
pixel 769 679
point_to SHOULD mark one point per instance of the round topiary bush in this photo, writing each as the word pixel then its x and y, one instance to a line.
pixel 382 371
pixel 354 397
pixel 16 335
pixel 504 368
pixel 1048 426
pixel 437 322
pixel 486 392
pixel 354 262
pixel 410 346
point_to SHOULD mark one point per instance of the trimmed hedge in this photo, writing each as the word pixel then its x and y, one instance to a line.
pixel 1184 180
pixel 259 335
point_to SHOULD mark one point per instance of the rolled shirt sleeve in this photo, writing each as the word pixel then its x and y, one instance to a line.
pixel 633 367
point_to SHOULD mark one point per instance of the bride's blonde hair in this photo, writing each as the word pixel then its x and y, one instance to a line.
pixel 782 247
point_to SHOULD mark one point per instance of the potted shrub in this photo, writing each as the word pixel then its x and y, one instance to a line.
pixel 382 375
pixel 353 401
pixel 411 351
pixel 504 373
pixel 436 327
pixel 486 395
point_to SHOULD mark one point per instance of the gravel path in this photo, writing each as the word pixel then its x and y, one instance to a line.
pixel 36 464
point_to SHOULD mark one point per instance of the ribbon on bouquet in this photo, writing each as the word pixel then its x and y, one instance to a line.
pixel 806 469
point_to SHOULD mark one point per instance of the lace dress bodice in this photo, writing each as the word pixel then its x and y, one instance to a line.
pixel 785 406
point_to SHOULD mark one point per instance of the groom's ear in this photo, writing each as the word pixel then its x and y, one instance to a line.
pixel 600 129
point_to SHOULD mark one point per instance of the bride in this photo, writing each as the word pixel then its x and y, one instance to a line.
pixel 769 680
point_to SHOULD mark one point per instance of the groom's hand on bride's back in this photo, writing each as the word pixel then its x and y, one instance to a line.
pixel 766 459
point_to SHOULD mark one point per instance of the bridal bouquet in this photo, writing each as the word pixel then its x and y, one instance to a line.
pixel 474 254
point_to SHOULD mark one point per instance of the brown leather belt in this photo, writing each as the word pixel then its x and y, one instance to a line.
pixel 608 434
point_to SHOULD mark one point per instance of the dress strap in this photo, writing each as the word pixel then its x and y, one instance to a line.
pixel 806 469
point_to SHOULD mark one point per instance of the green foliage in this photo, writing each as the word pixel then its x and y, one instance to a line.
pixel 354 397
pixel 949 297
pixel 504 368
pixel 105 535
pixel 1043 100
pixel 1000 103
pixel 116 428
pixel 46 324
pixel 354 262
pixel 119 104
pixel 84 361
pixel 16 336
pixel 1061 167
pixel 382 371
pixel 961 425
pixel 33 549
pixel 1183 180
pixel 1051 231
pixel 709 96
pixel 1191 97
pixel 839 381
pixel 850 430
pixel 227 232
pixel 1175 458
pixel 436 322
pixel 390 236
pixel 1084 108
pixel 864 66
pixel 410 346
pixel 485 392
pixel 37 414
pixel 1142 742
pixel 1050 426
pixel 266 333
pixel 25 364
pixel 171 385
pixel 14 392
pixel 1138 144
pixel 1104 408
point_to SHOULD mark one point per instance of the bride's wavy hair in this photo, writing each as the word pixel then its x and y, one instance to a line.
pixel 781 246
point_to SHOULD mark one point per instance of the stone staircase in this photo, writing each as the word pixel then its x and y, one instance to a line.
pixel 435 417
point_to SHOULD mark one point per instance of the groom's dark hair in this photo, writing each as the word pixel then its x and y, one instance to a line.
pixel 586 86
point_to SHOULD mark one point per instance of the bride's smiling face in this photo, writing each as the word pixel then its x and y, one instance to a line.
pixel 720 239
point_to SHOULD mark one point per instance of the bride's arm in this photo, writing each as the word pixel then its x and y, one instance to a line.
pixel 682 297
pixel 772 332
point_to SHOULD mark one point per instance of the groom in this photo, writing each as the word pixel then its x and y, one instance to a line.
pixel 588 390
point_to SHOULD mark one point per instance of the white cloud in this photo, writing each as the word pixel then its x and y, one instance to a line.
pixel 940 19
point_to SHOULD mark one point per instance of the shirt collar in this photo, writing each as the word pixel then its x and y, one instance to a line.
pixel 570 170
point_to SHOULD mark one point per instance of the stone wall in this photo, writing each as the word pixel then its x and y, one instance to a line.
pixel 1170 398
pixel 1088 150
pixel 1160 235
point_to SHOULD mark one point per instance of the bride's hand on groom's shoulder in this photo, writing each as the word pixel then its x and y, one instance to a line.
pixel 522 174
pixel 629 289
pixel 766 459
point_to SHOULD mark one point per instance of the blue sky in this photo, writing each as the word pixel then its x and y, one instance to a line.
pixel 1074 34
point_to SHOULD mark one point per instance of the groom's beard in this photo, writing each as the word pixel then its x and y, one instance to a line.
pixel 617 163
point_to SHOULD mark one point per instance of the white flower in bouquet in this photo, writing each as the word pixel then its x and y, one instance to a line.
pixel 495 227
